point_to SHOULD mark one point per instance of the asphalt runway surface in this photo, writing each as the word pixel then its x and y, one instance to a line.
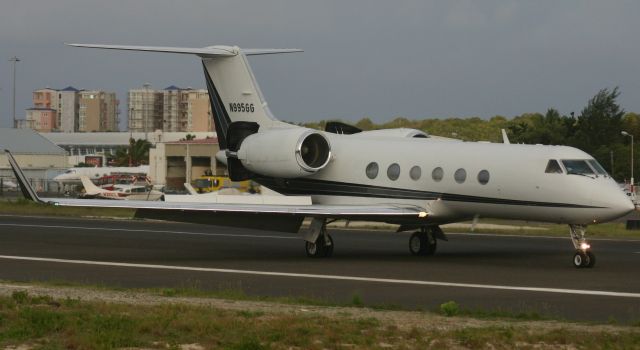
pixel 486 272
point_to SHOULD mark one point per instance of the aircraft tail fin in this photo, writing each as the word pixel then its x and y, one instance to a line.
pixel 27 191
pixel 89 187
pixel 233 90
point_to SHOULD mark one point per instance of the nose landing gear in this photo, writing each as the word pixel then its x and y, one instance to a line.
pixel 583 256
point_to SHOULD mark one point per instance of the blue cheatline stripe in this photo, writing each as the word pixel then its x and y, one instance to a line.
pixel 220 115
pixel 302 186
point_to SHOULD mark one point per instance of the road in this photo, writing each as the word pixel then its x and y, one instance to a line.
pixel 487 272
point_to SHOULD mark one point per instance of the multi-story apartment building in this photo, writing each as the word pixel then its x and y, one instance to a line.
pixel 198 110
pixel 40 120
pixel 72 110
pixel 65 104
pixel 170 110
pixel 68 109
pixel 98 111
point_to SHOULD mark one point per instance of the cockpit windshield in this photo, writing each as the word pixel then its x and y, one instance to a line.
pixel 577 167
pixel 597 167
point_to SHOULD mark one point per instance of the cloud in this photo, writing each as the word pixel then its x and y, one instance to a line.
pixel 362 58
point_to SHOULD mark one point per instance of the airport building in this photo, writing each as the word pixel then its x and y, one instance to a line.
pixel 173 163
pixel 40 159
pixel 80 145
pixel 172 109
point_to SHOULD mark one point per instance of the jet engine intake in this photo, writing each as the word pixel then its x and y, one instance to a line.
pixel 285 153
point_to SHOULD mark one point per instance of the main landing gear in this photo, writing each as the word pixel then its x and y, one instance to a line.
pixel 424 242
pixel 319 243
pixel 583 256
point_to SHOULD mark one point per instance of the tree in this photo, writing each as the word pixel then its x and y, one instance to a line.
pixel 600 122
pixel 188 137
pixel 136 154
pixel 550 129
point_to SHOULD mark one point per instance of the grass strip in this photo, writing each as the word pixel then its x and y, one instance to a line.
pixel 42 322
pixel 26 207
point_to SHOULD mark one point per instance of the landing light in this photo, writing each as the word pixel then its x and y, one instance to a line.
pixel 423 214
pixel 585 246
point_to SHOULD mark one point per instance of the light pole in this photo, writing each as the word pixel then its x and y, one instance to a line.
pixel 624 133
pixel 14 59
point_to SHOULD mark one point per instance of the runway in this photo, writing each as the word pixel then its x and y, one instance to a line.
pixel 488 272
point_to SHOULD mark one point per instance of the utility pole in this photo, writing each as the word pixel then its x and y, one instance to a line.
pixel 611 153
pixel 15 60
pixel 624 133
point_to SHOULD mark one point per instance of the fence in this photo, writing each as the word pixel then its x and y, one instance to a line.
pixel 10 187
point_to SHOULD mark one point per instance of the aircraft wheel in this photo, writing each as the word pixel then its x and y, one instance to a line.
pixel 320 248
pixel 417 243
pixel 422 243
pixel 592 259
pixel 328 248
pixel 581 259
pixel 432 245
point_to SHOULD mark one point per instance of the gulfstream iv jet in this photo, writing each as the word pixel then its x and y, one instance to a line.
pixel 399 176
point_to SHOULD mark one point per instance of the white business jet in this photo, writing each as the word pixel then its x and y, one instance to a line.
pixel 73 175
pixel 399 176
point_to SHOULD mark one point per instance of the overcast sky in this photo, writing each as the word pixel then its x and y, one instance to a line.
pixel 378 59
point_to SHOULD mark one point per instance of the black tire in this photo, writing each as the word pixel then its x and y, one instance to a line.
pixel 417 243
pixel 314 250
pixel 592 259
pixel 422 243
pixel 328 247
pixel 580 259
pixel 431 244
pixel 320 248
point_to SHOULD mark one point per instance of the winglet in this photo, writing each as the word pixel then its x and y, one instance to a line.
pixel 505 138
pixel 27 191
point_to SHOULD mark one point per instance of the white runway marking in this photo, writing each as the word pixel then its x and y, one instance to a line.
pixel 154 231
pixel 329 277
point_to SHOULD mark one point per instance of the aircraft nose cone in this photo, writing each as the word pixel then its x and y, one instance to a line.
pixel 612 201
pixel 621 204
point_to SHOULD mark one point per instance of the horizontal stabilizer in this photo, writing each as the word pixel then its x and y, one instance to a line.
pixel 204 52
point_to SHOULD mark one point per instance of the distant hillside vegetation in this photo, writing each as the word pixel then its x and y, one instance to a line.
pixel 596 130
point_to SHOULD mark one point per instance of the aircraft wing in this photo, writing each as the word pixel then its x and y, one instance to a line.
pixel 333 211
pixel 227 214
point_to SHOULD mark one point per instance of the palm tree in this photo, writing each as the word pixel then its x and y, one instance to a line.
pixel 136 154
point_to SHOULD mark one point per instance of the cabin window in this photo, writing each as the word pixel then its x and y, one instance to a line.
pixel 372 170
pixel 415 173
pixel 437 174
pixel 553 167
pixel 460 175
pixel 393 171
pixel 577 167
pixel 597 167
pixel 483 177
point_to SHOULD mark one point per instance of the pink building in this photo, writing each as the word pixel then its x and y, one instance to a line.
pixel 42 119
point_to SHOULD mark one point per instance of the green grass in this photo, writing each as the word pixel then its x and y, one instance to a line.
pixel 605 230
pixel 45 323
pixel 22 206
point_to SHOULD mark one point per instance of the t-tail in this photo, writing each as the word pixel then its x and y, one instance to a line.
pixel 233 91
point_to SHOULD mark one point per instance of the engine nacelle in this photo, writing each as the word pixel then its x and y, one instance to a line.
pixel 285 153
